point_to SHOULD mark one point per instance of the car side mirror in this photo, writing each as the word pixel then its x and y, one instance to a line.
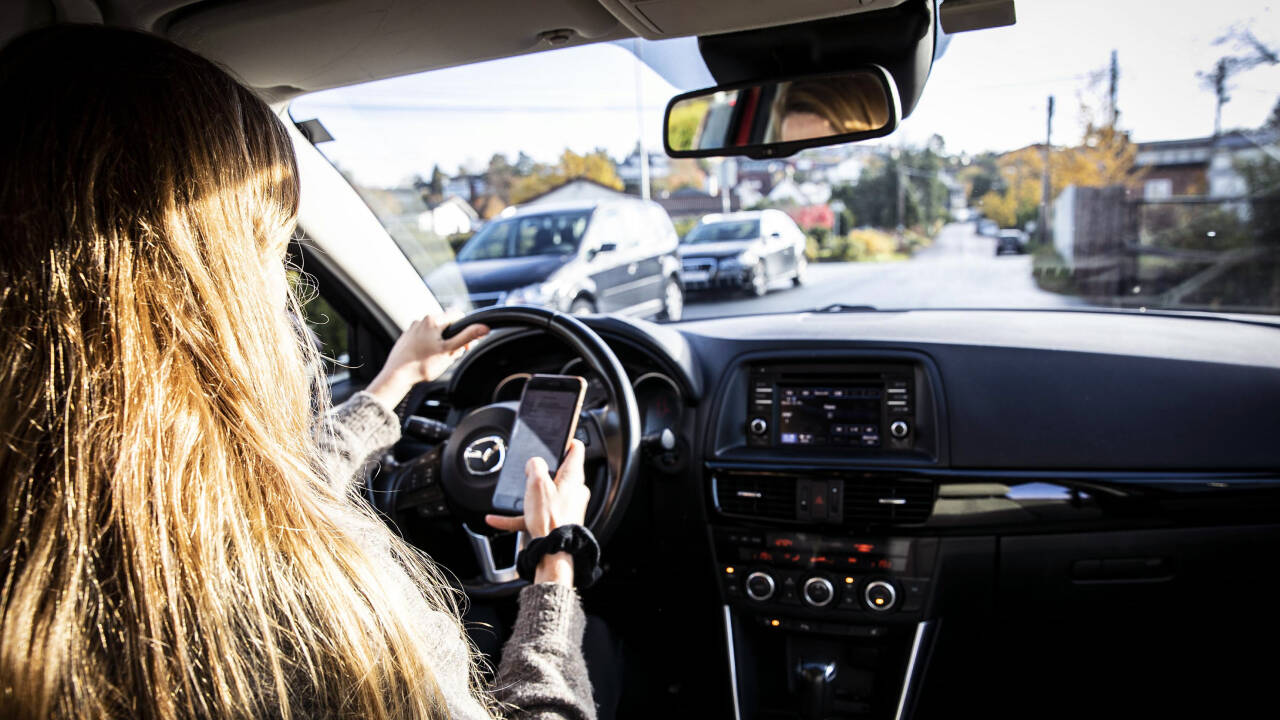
pixel 779 118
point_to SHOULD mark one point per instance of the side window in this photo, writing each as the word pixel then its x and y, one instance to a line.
pixel 330 331
pixel 664 232
pixel 634 227
pixel 606 227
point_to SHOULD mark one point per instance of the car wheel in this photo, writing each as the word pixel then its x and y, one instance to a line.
pixel 582 306
pixel 802 267
pixel 758 285
pixel 672 301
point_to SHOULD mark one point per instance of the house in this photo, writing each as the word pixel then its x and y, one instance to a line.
pixel 576 189
pixel 690 202
pixel 452 216
pixel 760 175
pixel 1199 166
pixel 790 192
pixel 629 169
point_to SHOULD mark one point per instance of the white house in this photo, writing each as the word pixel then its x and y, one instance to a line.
pixel 449 217
pixel 576 189
pixel 806 193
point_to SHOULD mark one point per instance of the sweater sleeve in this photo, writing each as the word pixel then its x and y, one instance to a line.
pixel 352 434
pixel 543 674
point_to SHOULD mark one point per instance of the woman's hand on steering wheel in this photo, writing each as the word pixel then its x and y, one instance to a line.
pixel 548 504
pixel 421 354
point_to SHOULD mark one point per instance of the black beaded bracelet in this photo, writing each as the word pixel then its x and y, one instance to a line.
pixel 573 539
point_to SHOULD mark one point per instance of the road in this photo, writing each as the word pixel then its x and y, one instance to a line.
pixel 960 270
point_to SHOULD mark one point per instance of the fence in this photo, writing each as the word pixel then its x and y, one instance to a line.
pixel 1222 253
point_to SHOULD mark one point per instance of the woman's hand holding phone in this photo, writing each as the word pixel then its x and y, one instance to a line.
pixel 548 504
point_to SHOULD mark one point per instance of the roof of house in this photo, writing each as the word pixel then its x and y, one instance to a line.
pixel 571 181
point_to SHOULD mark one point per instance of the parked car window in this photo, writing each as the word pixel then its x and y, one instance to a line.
pixel 723 231
pixel 635 227
pixel 550 234
pixel 607 227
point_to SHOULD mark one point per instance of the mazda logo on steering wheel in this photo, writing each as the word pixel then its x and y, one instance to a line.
pixel 485 455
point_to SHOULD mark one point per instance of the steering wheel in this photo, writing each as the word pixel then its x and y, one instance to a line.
pixel 468 463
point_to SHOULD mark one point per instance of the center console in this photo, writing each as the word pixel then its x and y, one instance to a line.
pixel 831 406
pixel 826 589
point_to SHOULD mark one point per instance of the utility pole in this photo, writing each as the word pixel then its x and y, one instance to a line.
pixel 1115 81
pixel 1042 228
pixel 902 191
pixel 644 153
pixel 1219 89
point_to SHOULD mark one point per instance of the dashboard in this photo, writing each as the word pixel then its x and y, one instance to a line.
pixel 852 484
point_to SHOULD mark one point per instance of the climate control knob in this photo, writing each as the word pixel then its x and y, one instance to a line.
pixel 818 592
pixel 760 586
pixel 758 426
pixel 899 429
pixel 880 596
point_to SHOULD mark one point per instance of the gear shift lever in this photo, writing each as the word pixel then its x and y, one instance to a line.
pixel 815 687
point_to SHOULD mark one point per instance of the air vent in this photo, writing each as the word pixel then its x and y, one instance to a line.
pixel 869 501
pixel 757 496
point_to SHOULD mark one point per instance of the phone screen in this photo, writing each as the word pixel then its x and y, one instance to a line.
pixel 545 422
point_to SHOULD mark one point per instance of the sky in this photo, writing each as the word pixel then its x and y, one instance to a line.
pixel 987 92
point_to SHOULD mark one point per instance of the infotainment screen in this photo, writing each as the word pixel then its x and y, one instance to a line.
pixel 829 415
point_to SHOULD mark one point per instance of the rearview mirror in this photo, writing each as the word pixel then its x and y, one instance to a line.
pixel 778 118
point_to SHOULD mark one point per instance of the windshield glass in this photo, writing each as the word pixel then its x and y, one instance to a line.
pixel 1140 170
pixel 556 234
pixel 723 231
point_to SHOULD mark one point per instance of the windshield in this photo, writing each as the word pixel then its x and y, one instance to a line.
pixel 1063 162
pixel 557 234
pixel 712 232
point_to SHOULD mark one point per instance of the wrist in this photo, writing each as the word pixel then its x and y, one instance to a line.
pixel 555 568
pixel 390 386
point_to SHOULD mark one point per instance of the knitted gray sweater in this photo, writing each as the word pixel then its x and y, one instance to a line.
pixel 542 673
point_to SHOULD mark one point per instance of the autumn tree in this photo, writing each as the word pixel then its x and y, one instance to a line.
pixel 596 166
pixel 686 120
pixel 684 172
pixel 1105 157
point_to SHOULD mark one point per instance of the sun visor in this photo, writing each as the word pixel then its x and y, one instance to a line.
pixel 659 19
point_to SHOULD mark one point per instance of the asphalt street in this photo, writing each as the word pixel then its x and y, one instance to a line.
pixel 960 270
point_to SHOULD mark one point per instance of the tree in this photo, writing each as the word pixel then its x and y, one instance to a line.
pixel 596 166
pixel 500 176
pixel 1104 157
pixel 981 176
pixel 686 119
pixel 1252 52
pixel 435 189
pixel 873 200
pixel 684 172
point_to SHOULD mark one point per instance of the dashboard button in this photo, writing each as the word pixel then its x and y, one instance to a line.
pixel 899 429
pixel 758 426
pixel 818 592
pixel 880 596
pixel 790 594
pixel 760 586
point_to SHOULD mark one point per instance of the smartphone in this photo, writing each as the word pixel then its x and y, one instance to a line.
pixel 545 423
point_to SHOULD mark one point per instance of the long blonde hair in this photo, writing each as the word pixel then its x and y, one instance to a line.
pixel 169 547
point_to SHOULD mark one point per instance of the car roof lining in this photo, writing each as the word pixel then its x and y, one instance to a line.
pixel 289 47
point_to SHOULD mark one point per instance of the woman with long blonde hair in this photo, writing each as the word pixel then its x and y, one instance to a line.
pixel 178 540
